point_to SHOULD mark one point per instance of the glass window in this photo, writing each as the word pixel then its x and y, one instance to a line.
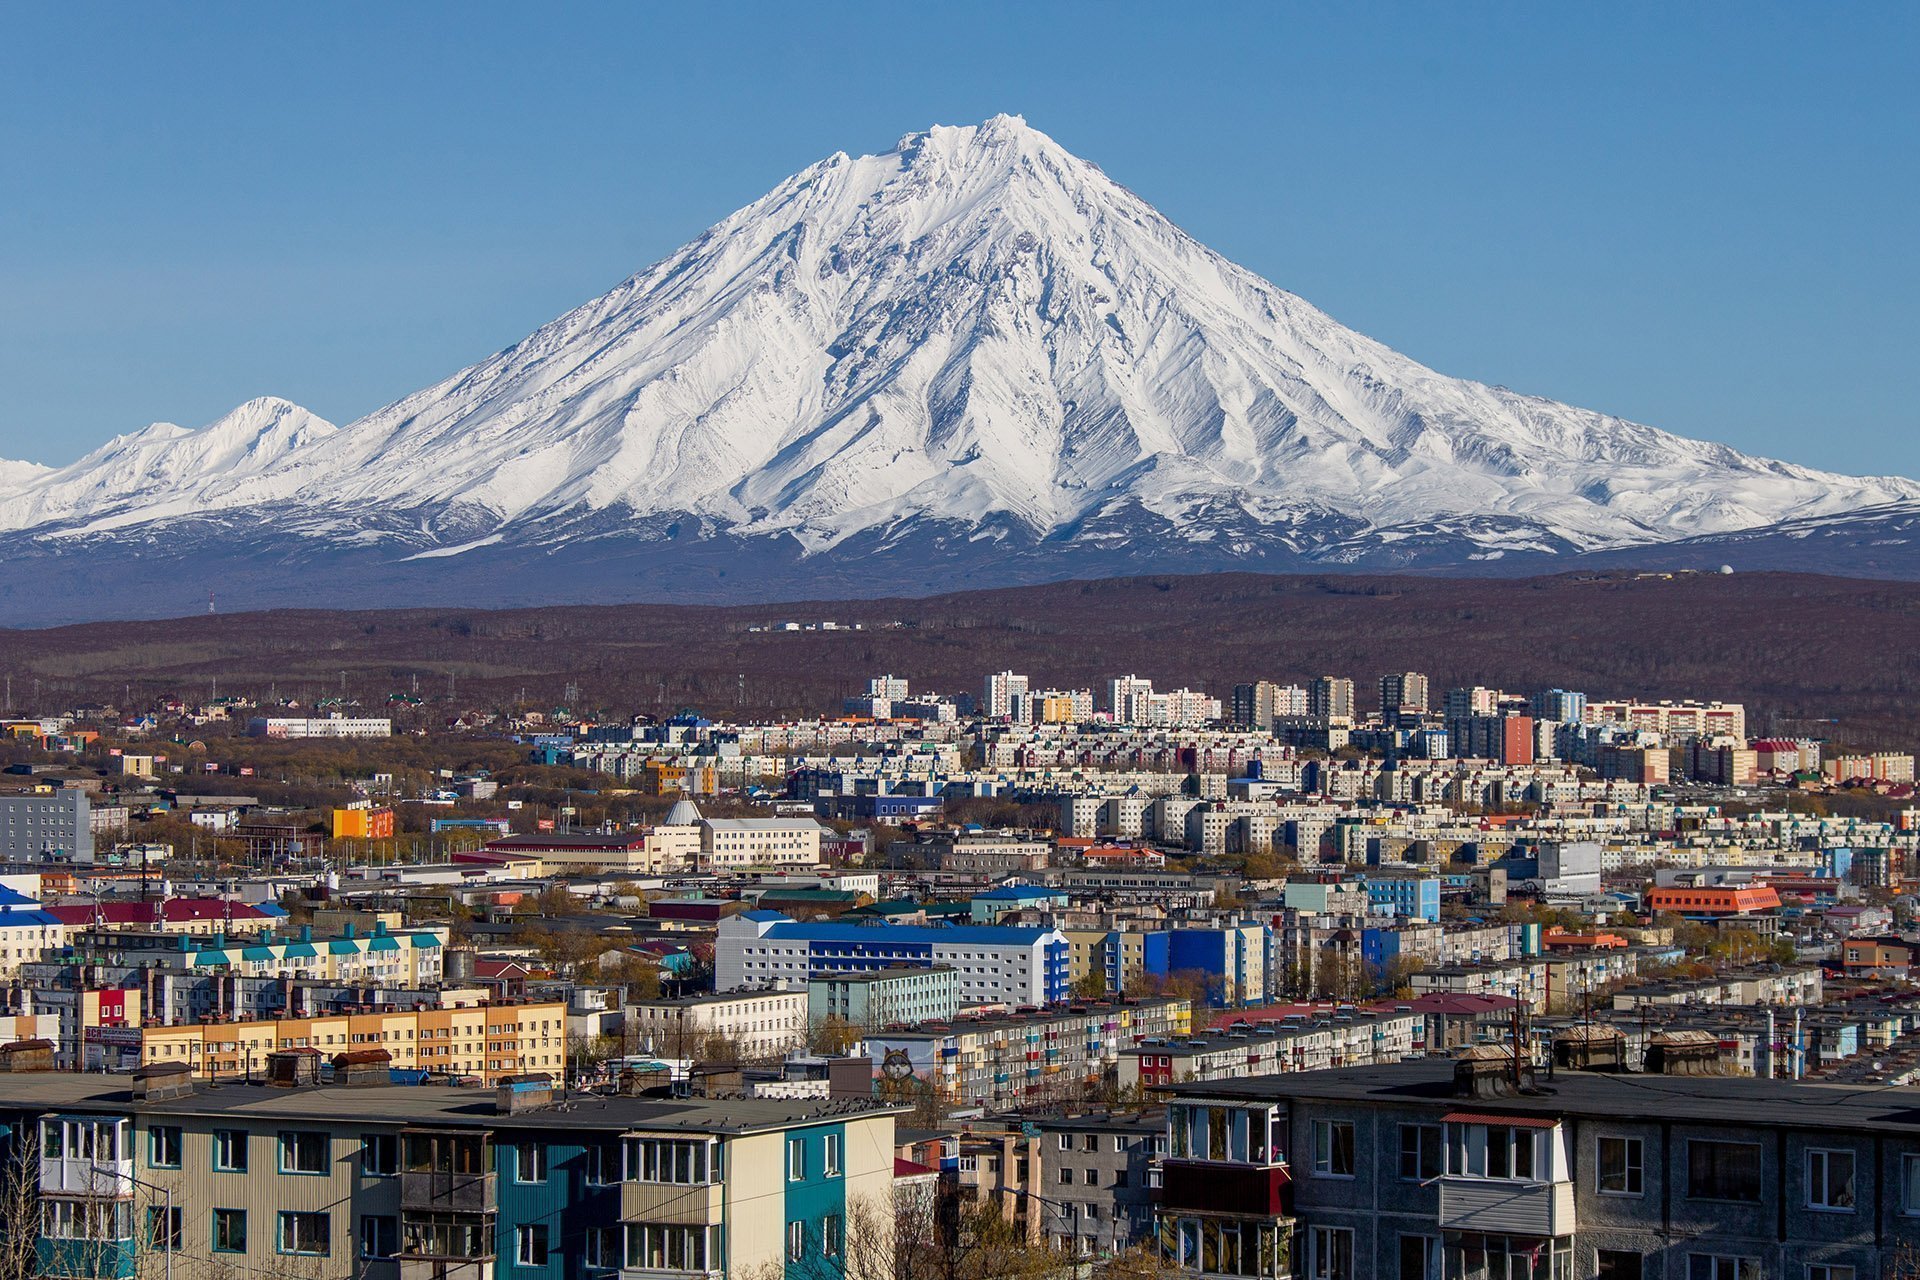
pixel 303 1152
pixel 1716 1266
pixel 1723 1171
pixel 1332 1249
pixel 164 1229
pixel 1910 1185
pixel 230 1150
pixel 1621 1164
pixel 796 1159
pixel 1830 1181
pixel 379 1157
pixel 1618 1264
pixel 163 1146
pixel 1419 1257
pixel 1333 1148
pixel 379 1235
pixel 229 1230
pixel 796 1241
pixel 530 1245
pixel 1828 1271
pixel 530 1162
pixel 308 1233
pixel 832 1235
pixel 830 1164
pixel 1419 1154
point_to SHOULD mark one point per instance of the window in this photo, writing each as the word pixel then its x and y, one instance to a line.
pixel 1621 1163
pixel 1419 1154
pixel 163 1146
pixel 229 1230
pixel 1828 1271
pixel 309 1233
pixel 1618 1264
pixel 660 1247
pixel 686 1162
pixel 229 1151
pixel 302 1153
pixel 1066 1177
pixel 379 1235
pixel 1090 1142
pixel 830 1163
pixel 1723 1171
pixel 530 1245
pixel 1333 1149
pixel 1066 1142
pixel 796 1159
pixel 1091 1177
pixel 1910 1185
pixel 796 1241
pixel 1419 1257
pixel 833 1235
pixel 603 1247
pixel 164 1229
pixel 1716 1266
pixel 1119 1144
pixel 379 1157
pixel 530 1162
pixel 1830 1181
pixel 1332 1249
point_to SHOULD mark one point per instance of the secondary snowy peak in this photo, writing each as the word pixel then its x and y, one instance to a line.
pixel 974 328
pixel 165 469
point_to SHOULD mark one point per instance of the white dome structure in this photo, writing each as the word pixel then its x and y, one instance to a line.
pixel 683 814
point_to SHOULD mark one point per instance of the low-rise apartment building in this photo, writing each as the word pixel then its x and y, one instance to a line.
pixel 754 1025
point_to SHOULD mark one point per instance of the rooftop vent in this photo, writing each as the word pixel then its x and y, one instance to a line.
pixel 161 1081
pixel 1488 1071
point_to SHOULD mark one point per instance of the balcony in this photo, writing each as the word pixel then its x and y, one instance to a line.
pixel 419 1268
pixel 1502 1207
pixel 1189 1186
pixel 456 1192
pixel 84 1176
pixel 694 1205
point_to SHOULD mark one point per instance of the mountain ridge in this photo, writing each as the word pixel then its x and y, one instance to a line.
pixel 975 340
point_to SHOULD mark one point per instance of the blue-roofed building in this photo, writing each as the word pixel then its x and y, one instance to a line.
pixel 988 907
pixel 994 964
pixel 26 929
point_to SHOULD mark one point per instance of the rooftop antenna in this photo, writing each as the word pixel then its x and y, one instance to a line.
pixel 210 608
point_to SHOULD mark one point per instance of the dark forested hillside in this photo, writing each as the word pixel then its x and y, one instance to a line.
pixel 1798 649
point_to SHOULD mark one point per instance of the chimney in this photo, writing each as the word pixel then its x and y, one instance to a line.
pixel 26 1055
pixel 363 1067
pixel 291 1068
pixel 1686 1053
pixel 161 1081
pixel 1487 1071
pixel 1591 1048
pixel 515 1094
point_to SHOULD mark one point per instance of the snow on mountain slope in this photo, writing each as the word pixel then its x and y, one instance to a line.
pixel 974 329
pixel 164 469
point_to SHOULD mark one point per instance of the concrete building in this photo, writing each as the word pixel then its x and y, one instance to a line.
pixel 884 997
pixel 757 1025
pixel 1095 1171
pixel 48 825
pixel 758 842
pixel 415 1182
pixel 1012 966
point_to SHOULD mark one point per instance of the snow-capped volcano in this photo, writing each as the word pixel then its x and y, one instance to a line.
pixel 976 344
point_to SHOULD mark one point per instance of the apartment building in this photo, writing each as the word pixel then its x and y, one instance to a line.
pixel 41 825
pixel 487 1041
pixel 1303 1042
pixel 411 958
pixel 1027 1058
pixel 756 1025
pixel 423 1182
pixel 994 964
pixel 758 842
pixel 1095 1175
pixel 27 930
pixel 1439 1167
pixel 884 997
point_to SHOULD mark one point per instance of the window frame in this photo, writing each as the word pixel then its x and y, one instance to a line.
pixel 1633 1167
pixel 796 1159
pixel 224 1143
pixel 1326 1151
pixel 288 1218
pixel 830 1157
pixel 289 1140
pixel 173 1134
pixel 1421 1156
pixel 1825 1157
pixel 532 1245
pixel 228 1216
pixel 530 1163
pixel 1759 1175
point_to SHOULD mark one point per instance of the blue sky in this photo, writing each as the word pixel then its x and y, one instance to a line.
pixel 1701 216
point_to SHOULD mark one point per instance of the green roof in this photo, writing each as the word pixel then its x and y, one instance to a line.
pixel 256 953
pixel 343 947
pixel 384 944
pixel 302 949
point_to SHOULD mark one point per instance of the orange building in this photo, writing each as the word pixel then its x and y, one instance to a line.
pixel 1738 900
pixel 362 824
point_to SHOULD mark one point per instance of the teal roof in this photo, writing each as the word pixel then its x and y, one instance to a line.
pixel 343 947
pixel 211 957
pixel 384 944
pixel 256 953
pixel 295 949
pixel 425 940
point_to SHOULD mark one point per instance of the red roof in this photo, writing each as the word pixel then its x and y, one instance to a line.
pixel 171 911
pixel 908 1169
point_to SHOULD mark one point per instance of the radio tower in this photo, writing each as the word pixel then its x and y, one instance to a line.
pixel 210 608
